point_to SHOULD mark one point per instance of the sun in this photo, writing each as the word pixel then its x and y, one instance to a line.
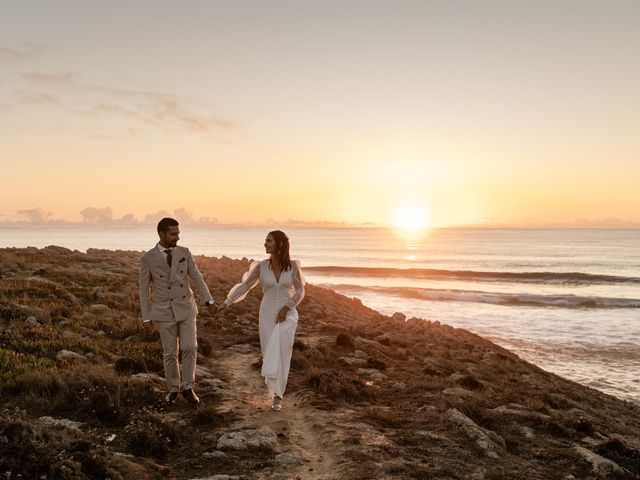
pixel 410 217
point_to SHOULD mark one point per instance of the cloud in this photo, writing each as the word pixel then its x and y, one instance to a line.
pixel 128 219
pixel 182 215
pixel 10 54
pixel 155 109
pixel 34 215
pixel 156 217
pixel 38 97
pixel 207 221
pixel 96 216
pixel 64 79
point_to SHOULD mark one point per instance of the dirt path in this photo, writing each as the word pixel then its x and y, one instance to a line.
pixel 304 433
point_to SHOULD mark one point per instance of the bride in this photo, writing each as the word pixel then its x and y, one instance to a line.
pixel 283 289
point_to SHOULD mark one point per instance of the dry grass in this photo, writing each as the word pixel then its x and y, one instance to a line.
pixel 419 359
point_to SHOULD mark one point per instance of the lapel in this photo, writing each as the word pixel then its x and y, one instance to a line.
pixel 160 258
pixel 175 260
pixel 178 255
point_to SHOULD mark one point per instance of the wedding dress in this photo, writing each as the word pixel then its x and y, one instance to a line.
pixel 276 339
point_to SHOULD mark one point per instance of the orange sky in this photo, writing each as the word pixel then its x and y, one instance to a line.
pixel 500 112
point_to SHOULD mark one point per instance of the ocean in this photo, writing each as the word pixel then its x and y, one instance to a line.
pixel 567 300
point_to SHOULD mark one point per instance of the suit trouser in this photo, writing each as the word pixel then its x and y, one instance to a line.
pixel 183 335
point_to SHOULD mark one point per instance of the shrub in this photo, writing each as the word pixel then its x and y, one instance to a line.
pixel 130 365
pixel 336 385
pixel 344 340
pixel 470 383
pixel 149 436
pixel 375 363
pixel 204 346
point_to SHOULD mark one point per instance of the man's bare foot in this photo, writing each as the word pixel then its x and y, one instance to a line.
pixel 276 406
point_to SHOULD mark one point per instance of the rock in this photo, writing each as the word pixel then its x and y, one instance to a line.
pixel 378 377
pixel 216 454
pixel 68 355
pixel 360 354
pixel 93 358
pixel 147 378
pixel 99 293
pixel 370 345
pixel 261 438
pixel 123 455
pixel 400 317
pixel 488 441
pixel 98 308
pixel 203 373
pixel 426 409
pixel 454 377
pixel 478 474
pixel 32 322
pixel 133 339
pixel 240 348
pixel 354 362
pixel 57 249
pixel 602 468
pixel 61 423
pixel 288 460
pixel 399 386
pixel 520 411
pixel 219 477
pixel 211 382
pixel 75 300
pixel 528 433
pixel 459 392
pixel 25 311
pixel 69 335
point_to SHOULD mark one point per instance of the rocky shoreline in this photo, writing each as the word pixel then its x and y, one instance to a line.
pixel 369 396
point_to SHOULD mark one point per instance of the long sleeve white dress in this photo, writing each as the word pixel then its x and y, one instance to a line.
pixel 276 339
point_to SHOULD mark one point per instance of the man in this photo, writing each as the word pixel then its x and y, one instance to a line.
pixel 166 299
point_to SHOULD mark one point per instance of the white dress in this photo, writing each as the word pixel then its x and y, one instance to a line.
pixel 276 339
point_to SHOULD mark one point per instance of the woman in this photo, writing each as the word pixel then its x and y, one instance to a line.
pixel 283 289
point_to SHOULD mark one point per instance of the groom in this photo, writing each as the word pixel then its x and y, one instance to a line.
pixel 166 300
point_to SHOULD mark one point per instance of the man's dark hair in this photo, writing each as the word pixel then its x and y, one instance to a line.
pixel 165 223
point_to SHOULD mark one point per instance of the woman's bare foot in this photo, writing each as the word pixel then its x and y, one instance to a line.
pixel 276 406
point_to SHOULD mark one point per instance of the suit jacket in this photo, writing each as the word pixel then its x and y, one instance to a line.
pixel 165 294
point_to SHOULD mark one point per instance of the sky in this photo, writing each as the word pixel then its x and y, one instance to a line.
pixel 349 112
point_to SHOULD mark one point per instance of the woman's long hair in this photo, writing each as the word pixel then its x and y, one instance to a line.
pixel 282 249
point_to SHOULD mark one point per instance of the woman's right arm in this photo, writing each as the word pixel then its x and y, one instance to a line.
pixel 249 280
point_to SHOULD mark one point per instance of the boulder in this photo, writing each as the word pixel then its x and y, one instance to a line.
pixel 216 454
pixel 459 392
pixel 69 356
pixel 240 348
pixel 32 322
pixel 61 423
pixel 98 308
pixel 288 460
pixel 601 468
pixel 247 439
pixel 489 442
pixel 354 362
pixel 519 411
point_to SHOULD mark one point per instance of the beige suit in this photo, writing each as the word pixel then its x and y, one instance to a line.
pixel 167 299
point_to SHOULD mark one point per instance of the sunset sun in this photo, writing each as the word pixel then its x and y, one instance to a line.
pixel 410 217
